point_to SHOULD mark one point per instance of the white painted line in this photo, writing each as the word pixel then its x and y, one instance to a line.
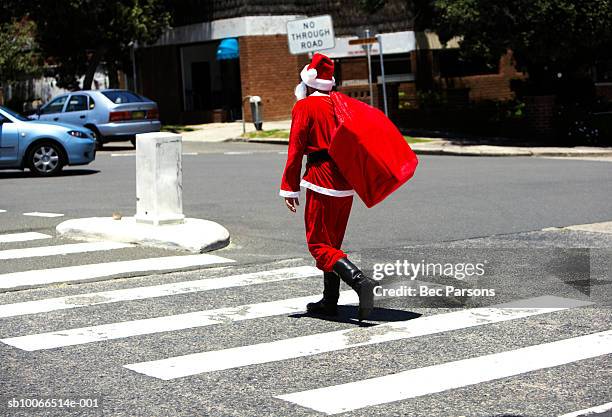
pixel 22 237
pixel 88 272
pixel 2 211
pixel 451 375
pixel 60 250
pixel 123 154
pixel 197 363
pixel 174 322
pixel 153 291
pixel 590 411
pixel 41 214
pixel 190 153
pixel 238 153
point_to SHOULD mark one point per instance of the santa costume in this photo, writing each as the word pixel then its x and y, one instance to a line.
pixel 328 194
pixel 350 148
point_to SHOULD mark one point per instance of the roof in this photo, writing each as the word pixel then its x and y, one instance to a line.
pixel 349 19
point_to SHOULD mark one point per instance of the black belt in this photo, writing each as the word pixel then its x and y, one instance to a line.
pixel 318 156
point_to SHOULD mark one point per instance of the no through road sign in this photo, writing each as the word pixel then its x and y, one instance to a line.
pixel 310 34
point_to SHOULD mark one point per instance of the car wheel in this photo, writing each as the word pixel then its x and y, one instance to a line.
pixel 46 159
pixel 133 142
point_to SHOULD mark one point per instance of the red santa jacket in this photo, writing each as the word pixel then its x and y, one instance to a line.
pixel 312 126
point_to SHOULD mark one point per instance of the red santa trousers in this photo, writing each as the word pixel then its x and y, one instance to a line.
pixel 326 218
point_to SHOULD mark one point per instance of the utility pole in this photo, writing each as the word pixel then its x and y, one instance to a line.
pixel 133 57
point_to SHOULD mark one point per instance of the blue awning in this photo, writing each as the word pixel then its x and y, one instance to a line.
pixel 228 49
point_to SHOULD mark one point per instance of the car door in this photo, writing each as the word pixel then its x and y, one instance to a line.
pixel 76 110
pixel 53 110
pixel 9 142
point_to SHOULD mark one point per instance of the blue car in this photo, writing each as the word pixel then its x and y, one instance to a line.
pixel 113 115
pixel 45 148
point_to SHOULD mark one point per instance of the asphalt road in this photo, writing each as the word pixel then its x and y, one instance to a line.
pixel 456 210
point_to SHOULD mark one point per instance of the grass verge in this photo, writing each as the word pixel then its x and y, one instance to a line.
pixel 272 133
pixel 176 128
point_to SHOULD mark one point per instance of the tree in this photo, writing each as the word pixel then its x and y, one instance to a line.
pixel 551 40
pixel 18 50
pixel 77 35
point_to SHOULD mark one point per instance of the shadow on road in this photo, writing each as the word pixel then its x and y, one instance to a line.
pixel 348 314
pixel 64 173
pixel 107 148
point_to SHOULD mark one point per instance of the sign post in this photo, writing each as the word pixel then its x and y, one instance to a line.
pixel 310 34
pixel 367 41
pixel 382 73
pixel 368 48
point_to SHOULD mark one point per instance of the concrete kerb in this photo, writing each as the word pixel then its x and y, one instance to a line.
pixel 273 141
pixel 439 147
pixel 194 235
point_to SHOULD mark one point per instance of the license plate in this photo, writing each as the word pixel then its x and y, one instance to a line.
pixel 138 115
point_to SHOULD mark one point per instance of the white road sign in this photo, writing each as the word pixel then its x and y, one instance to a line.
pixel 310 34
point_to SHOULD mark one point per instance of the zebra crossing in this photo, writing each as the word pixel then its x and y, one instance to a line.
pixel 355 393
pixel 22 237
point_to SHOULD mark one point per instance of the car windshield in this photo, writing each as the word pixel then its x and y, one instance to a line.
pixel 14 114
pixel 123 96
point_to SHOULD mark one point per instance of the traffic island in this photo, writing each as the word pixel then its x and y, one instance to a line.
pixel 159 219
pixel 194 235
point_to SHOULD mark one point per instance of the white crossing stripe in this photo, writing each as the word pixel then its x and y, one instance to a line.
pixel 60 250
pixel 22 237
pixel 590 411
pixel 153 291
pixel 87 272
pixel 196 363
pixel 451 375
pixel 42 214
pixel 165 323
pixel 2 211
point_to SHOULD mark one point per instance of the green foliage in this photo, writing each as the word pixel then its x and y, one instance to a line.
pixel 18 50
pixel 77 34
pixel 483 118
pixel 550 39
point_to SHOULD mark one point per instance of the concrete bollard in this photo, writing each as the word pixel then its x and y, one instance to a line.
pixel 159 174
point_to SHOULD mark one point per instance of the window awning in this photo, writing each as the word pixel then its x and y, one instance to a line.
pixel 228 49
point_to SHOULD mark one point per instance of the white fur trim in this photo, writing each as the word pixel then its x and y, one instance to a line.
pixel 309 77
pixel 310 74
pixel 300 91
pixel 289 194
pixel 319 94
pixel 327 191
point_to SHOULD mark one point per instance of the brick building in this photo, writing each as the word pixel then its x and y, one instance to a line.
pixel 184 74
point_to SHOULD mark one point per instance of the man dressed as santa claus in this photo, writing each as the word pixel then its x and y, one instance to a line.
pixel 328 194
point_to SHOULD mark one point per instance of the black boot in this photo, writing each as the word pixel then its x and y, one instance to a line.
pixel 363 285
pixel 328 305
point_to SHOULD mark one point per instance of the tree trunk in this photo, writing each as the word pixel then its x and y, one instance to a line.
pixel 113 78
pixel 94 61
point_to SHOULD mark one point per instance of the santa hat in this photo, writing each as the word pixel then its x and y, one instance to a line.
pixel 319 74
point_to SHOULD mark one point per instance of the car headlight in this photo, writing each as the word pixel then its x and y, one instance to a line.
pixel 78 134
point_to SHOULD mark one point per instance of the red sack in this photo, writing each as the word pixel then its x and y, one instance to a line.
pixel 369 151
